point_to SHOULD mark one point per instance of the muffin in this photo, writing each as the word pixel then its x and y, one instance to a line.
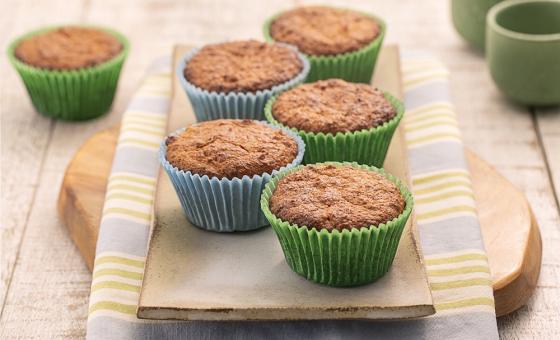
pixel 219 168
pixel 339 43
pixel 235 79
pixel 70 72
pixel 338 224
pixel 338 120
pixel 68 48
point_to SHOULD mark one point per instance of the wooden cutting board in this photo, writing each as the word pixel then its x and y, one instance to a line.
pixel 511 235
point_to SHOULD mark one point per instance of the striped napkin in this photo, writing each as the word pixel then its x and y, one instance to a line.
pixel 450 235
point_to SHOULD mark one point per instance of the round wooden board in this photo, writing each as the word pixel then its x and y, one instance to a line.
pixel 511 234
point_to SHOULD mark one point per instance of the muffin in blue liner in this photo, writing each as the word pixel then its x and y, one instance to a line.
pixel 223 205
pixel 211 105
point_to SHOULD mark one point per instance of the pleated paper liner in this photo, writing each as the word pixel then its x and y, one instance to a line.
pixel 364 147
pixel 339 258
pixel 208 105
pixel 223 205
pixel 357 66
pixel 71 94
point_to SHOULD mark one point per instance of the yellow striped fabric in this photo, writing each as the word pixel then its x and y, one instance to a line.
pixel 118 272
pixel 156 85
pixel 129 195
pixel 460 270
pixel 460 280
pixel 432 261
pixel 120 260
pixel 129 309
pixel 427 178
pixel 418 80
pixel 446 212
pixel 431 123
pixel 434 137
pixel 466 274
pixel 443 194
pixel 480 301
pixel 142 129
pixel 117 276
pixel 437 187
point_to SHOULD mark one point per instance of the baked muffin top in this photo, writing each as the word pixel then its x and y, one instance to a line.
pixel 68 48
pixel 332 105
pixel 318 30
pixel 231 148
pixel 336 197
pixel 242 66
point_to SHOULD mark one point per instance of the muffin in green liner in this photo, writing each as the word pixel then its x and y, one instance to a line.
pixel 368 146
pixel 71 94
pixel 347 257
pixel 355 66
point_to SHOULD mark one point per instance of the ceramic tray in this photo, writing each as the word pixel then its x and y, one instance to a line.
pixel 192 274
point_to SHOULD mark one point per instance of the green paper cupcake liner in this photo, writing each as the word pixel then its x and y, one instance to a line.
pixel 339 258
pixel 71 94
pixel 357 66
pixel 367 147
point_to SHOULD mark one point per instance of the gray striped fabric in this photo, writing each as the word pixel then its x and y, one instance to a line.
pixel 450 235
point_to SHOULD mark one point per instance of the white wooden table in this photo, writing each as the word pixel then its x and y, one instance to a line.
pixel 44 283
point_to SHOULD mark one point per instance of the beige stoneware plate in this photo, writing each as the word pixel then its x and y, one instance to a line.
pixel 193 274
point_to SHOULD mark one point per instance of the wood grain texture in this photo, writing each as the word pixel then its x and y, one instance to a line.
pixel 82 193
pixel 511 236
pixel 548 124
pixel 500 132
pixel 26 138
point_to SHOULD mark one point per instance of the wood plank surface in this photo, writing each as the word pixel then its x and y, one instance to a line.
pixel 43 285
pixel 548 125
pixel 26 137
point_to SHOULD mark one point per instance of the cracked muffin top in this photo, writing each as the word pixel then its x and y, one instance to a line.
pixel 336 197
pixel 318 30
pixel 231 148
pixel 332 106
pixel 242 66
pixel 68 48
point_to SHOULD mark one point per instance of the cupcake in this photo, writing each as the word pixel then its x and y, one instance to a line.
pixel 338 224
pixel 338 120
pixel 339 43
pixel 219 168
pixel 235 79
pixel 70 72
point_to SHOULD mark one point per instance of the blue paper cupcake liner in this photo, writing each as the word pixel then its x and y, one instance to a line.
pixel 223 205
pixel 209 105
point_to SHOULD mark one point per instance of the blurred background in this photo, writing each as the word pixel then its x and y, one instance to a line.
pixel 52 279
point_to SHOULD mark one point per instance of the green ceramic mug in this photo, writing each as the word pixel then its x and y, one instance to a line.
pixel 469 19
pixel 523 50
